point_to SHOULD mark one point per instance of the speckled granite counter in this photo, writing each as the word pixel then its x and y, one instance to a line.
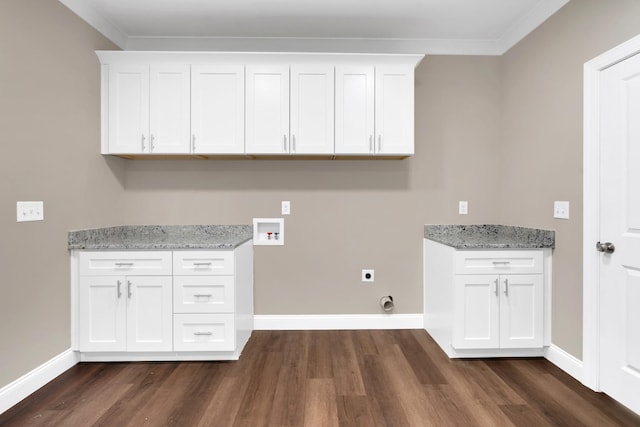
pixel 161 237
pixel 490 236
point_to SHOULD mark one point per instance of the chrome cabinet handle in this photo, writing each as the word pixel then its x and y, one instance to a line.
pixel 124 264
pixel 203 333
pixel 497 284
pixel 151 145
pixel 293 143
pixel 119 290
pixel 202 295
pixel 142 142
pixel 129 288
pixel 379 143
pixel 201 264
pixel 284 143
pixel 501 262
pixel 607 247
pixel 506 287
pixel 193 143
pixel 370 143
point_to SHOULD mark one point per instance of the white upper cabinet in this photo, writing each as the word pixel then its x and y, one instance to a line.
pixel 128 106
pixel 312 109
pixel 148 109
pixel 374 110
pixel 217 109
pixel 208 104
pixel 169 109
pixel 394 110
pixel 267 109
pixel 354 110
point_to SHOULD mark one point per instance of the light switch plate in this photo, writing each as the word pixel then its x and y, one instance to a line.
pixel 286 207
pixel 30 211
pixel 463 207
pixel 561 209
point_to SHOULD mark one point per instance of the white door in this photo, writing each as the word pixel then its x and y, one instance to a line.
pixel 102 318
pixel 312 109
pixel 149 313
pixel 354 110
pixel 267 109
pixel 521 311
pixel 476 314
pixel 169 108
pixel 217 114
pixel 128 109
pixel 619 293
pixel 394 110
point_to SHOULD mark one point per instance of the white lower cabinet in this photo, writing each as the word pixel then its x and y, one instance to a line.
pixel 497 311
pixel 486 303
pixel 162 305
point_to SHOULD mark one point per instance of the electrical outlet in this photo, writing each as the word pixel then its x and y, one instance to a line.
pixel 286 207
pixel 30 211
pixel 463 207
pixel 368 275
pixel 561 210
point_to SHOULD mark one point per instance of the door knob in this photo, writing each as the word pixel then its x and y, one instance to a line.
pixel 607 248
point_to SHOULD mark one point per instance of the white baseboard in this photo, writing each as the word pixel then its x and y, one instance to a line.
pixel 338 322
pixel 565 361
pixel 17 390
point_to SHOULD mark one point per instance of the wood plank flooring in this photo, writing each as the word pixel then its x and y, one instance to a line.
pixel 322 378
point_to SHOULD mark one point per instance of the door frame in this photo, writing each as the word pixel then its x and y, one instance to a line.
pixel 591 206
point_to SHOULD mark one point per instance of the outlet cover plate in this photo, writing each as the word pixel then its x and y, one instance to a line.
pixel 29 211
pixel 368 275
pixel 561 209
pixel 286 207
pixel 463 207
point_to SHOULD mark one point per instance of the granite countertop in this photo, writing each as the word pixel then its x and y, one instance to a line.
pixel 490 236
pixel 161 237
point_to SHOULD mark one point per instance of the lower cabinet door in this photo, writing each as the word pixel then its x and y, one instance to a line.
pixel 102 317
pixel 204 332
pixel 476 314
pixel 149 313
pixel 521 311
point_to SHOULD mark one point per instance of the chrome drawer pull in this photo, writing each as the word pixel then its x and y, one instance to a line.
pixel 202 295
pixel 201 264
pixel 203 333
pixel 124 264
pixel 501 262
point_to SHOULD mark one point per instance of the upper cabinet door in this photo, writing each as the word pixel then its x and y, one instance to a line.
pixel 312 110
pixel 394 110
pixel 128 109
pixel 169 109
pixel 267 109
pixel 217 109
pixel 354 116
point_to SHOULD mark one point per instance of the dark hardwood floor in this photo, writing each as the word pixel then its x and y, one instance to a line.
pixel 322 378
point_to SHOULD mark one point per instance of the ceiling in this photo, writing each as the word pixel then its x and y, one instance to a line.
pixel 469 27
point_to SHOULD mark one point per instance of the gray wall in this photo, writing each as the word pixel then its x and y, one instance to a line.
pixel 542 137
pixel 49 133
pixel 503 133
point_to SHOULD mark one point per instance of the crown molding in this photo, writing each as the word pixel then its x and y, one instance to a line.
pixel 486 47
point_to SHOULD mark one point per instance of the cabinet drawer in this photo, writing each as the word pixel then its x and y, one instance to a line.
pixel 105 263
pixel 203 332
pixel 498 262
pixel 199 263
pixel 203 294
